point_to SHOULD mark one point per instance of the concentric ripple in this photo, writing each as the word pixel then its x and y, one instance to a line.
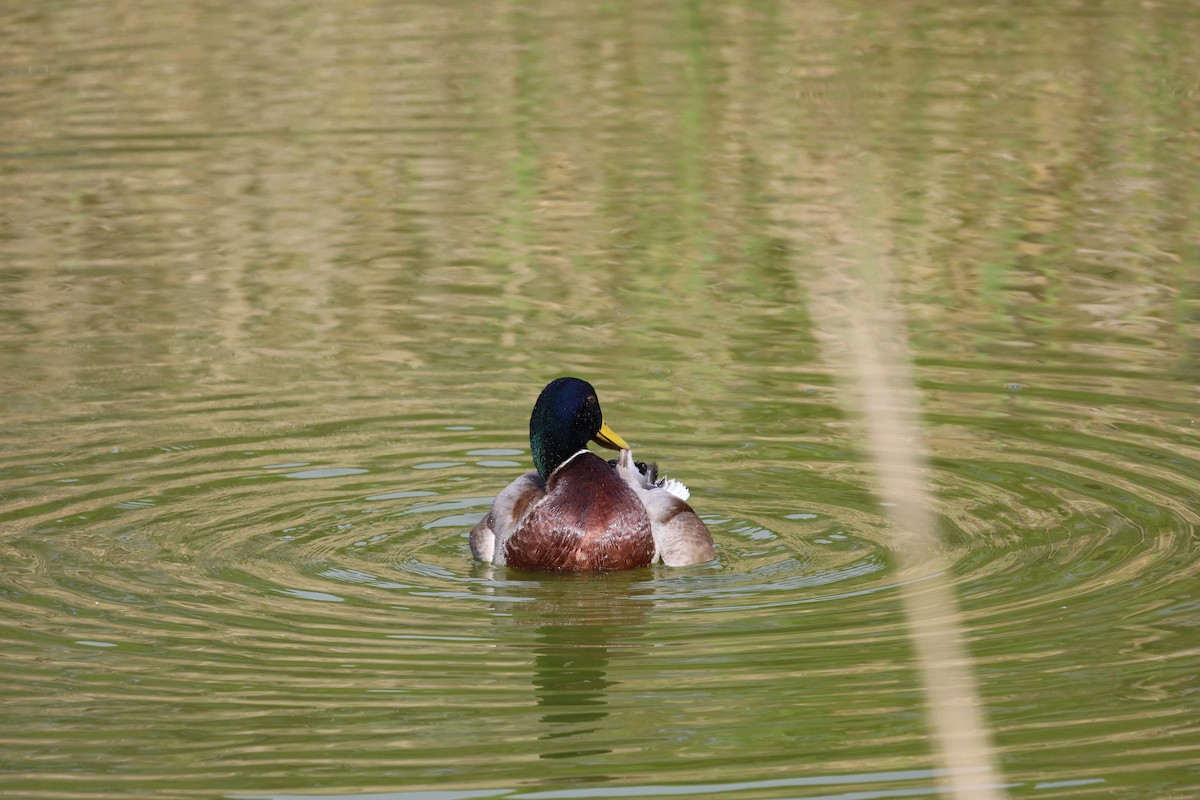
pixel 230 615
pixel 278 285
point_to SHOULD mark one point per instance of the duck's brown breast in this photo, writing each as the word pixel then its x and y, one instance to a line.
pixel 590 520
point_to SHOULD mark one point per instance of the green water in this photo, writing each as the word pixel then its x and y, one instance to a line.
pixel 279 283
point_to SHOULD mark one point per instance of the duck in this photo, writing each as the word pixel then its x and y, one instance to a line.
pixel 576 511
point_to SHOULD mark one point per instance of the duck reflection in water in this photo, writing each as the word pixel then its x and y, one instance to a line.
pixel 582 623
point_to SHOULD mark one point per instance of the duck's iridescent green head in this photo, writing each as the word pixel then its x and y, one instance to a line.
pixel 565 418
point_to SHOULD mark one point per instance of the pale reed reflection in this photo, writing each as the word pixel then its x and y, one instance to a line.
pixel 864 338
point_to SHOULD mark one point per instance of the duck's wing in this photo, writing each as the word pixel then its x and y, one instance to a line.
pixel 509 509
pixel 680 537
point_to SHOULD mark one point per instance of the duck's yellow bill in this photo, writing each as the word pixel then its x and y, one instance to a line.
pixel 607 437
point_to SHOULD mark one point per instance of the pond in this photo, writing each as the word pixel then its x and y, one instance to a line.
pixel 280 282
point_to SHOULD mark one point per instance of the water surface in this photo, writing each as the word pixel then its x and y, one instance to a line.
pixel 280 282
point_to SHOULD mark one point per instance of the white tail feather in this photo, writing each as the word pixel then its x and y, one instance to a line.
pixel 676 488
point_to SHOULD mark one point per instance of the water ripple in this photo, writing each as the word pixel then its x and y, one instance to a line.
pixel 201 582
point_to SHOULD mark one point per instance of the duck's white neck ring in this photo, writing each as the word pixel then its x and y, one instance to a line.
pixel 574 456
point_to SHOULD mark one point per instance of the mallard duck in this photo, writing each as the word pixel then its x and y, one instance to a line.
pixel 576 511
